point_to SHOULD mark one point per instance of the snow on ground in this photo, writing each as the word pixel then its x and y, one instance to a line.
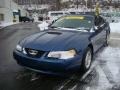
pixel 110 54
pixel 112 58
pixel 115 27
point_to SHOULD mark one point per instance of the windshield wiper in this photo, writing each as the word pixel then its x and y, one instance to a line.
pixel 54 27
pixel 71 28
pixel 83 29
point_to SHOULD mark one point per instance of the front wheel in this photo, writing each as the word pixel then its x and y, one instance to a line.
pixel 87 60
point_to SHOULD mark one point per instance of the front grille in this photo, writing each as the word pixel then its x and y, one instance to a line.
pixel 34 53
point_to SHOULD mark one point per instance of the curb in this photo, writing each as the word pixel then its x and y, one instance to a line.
pixel 7 26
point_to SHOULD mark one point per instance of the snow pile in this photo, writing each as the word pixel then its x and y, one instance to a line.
pixel 115 27
pixel 43 25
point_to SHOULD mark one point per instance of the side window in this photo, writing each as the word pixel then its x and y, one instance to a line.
pixel 102 21
pixel 99 21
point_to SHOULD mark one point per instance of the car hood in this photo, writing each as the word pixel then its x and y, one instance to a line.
pixel 53 40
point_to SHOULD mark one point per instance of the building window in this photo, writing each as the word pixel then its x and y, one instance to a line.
pixel 1 17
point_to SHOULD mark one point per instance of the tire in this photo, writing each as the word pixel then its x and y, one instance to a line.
pixel 107 39
pixel 87 60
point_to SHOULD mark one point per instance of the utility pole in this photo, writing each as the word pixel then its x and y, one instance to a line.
pixel 58 4
pixel 77 3
pixel 86 3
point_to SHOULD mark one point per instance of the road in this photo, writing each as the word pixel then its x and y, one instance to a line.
pixel 103 75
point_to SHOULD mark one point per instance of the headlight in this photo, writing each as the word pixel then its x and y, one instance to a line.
pixel 62 54
pixel 18 47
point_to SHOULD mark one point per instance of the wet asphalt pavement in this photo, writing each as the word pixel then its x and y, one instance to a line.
pixel 103 75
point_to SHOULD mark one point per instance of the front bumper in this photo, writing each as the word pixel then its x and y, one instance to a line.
pixel 48 66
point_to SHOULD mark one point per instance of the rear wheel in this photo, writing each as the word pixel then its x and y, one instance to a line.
pixel 107 40
pixel 87 60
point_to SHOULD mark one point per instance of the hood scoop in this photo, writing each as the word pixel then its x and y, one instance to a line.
pixel 57 33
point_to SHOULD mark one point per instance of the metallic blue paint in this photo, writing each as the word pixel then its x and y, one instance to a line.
pixel 59 40
pixel 53 42
pixel 44 64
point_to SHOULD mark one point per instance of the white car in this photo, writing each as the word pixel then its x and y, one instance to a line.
pixel 53 15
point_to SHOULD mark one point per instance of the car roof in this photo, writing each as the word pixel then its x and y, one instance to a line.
pixel 88 13
pixel 85 15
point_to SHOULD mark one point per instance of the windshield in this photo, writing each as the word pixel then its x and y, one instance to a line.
pixel 74 22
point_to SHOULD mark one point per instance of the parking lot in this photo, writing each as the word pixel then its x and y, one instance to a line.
pixel 103 75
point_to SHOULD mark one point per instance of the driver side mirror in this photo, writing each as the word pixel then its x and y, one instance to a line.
pixel 96 28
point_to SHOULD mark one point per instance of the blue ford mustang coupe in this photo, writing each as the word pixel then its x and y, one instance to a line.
pixel 67 45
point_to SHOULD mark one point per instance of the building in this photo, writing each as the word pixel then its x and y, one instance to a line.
pixel 10 11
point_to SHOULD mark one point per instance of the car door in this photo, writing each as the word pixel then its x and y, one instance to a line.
pixel 103 32
pixel 99 36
